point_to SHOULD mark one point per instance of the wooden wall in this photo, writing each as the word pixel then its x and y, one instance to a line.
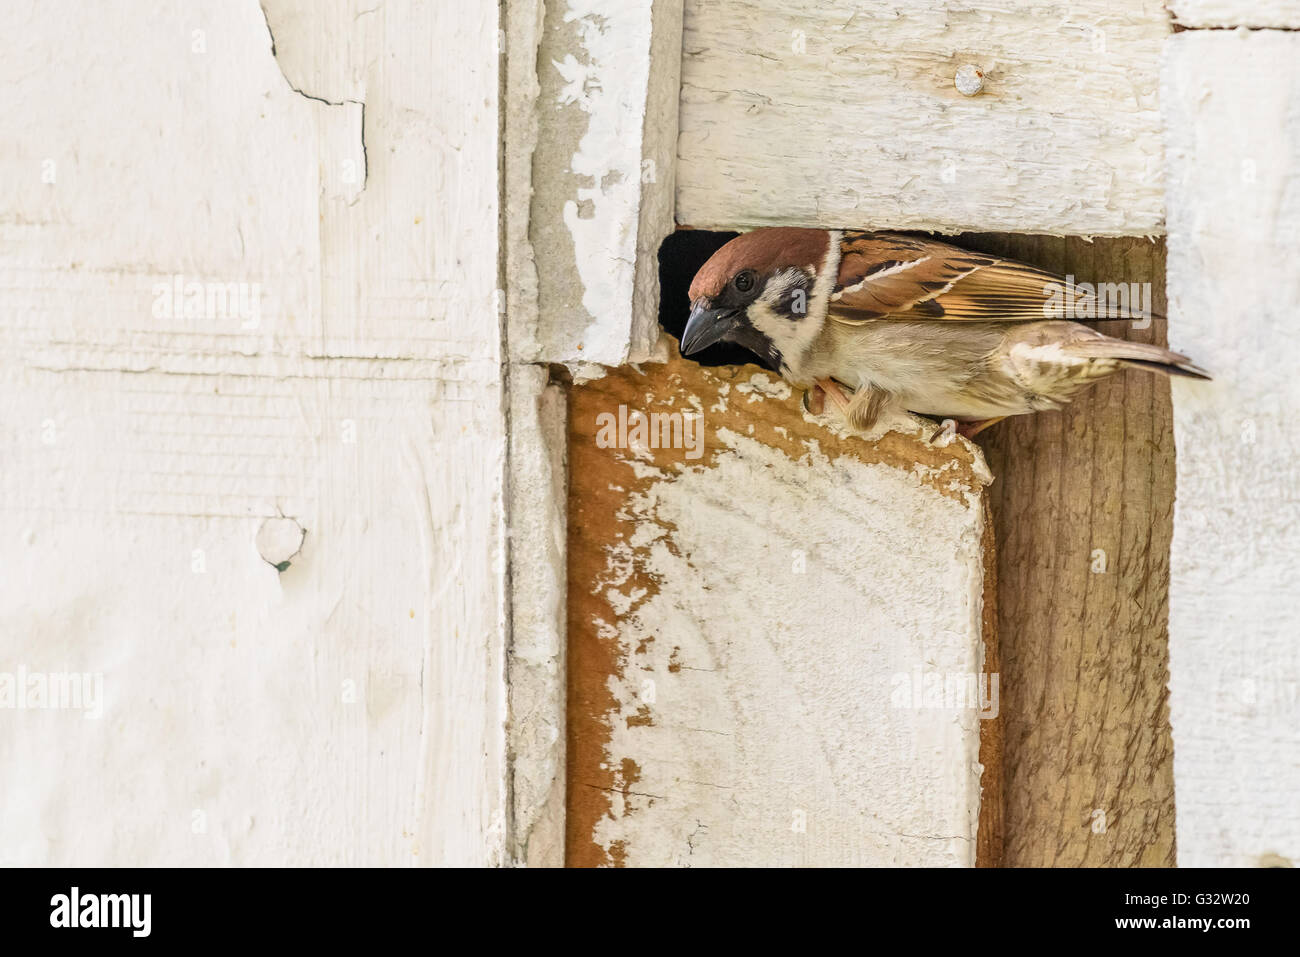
pixel 346 709
pixel 1234 228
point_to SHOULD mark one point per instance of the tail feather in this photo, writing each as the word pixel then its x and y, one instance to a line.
pixel 1142 355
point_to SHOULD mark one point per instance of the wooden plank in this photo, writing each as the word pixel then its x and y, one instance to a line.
pixel 1233 147
pixel 745 627
pixel 1083 505
pixel 591 126
pixel 832 114
pixel 536 676
pixel 348 709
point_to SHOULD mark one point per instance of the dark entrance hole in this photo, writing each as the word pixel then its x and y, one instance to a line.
pixel 680 257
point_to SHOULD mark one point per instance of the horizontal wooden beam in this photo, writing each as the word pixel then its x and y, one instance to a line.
pixel 835 114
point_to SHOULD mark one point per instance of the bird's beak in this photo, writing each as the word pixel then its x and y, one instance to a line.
pixel 706 326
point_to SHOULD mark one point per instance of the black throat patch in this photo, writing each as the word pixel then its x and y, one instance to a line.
pixel 746 336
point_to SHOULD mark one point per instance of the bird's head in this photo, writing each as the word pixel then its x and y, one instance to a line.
pixel 766 291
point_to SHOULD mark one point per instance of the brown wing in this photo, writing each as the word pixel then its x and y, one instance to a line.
pixel 901 277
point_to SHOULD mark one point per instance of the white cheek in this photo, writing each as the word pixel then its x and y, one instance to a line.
pixel 763 318
pixel 791 336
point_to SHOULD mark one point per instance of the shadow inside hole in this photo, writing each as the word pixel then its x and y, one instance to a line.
pixel 680 256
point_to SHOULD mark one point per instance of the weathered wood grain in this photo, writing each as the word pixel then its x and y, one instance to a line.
pixel 1088 773
pixel 738 626
pixel 832 114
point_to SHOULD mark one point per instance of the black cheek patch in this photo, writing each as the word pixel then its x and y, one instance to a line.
pixel 796 299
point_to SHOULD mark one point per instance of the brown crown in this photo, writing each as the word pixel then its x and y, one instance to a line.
pixel 763 250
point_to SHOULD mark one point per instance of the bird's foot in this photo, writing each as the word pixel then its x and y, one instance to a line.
pixel 830 389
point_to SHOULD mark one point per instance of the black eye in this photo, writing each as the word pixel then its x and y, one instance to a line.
pixel 744 281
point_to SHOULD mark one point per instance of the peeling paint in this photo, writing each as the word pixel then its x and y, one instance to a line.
pixel 356 106
pixel 604 240
pixel 603 135
pixel 741 704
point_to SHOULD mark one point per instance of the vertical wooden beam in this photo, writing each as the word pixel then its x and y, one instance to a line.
pixel 319 163
pixel 591 128
pixel 1232 108
pixel 589 131
pixel 1083 502
pixel 536 656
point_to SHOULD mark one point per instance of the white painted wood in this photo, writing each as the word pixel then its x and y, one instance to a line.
pixel 1236 13
pixel 845 114
pixel 1233 146
pixel 351 708
pixel 538 487
pixel 783 621
pixel 522 126
pixel 591 129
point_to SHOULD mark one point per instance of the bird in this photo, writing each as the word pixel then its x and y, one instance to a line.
pixel 881 321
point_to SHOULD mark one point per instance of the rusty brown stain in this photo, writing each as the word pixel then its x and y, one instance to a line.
pixel 599 486
pixel 990 836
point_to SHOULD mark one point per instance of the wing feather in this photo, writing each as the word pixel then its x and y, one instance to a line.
pixel 888 275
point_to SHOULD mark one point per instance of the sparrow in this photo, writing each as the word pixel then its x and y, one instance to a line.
pixel 908 323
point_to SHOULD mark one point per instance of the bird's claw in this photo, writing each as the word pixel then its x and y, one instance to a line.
pixel 814 400
pixel 946 430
